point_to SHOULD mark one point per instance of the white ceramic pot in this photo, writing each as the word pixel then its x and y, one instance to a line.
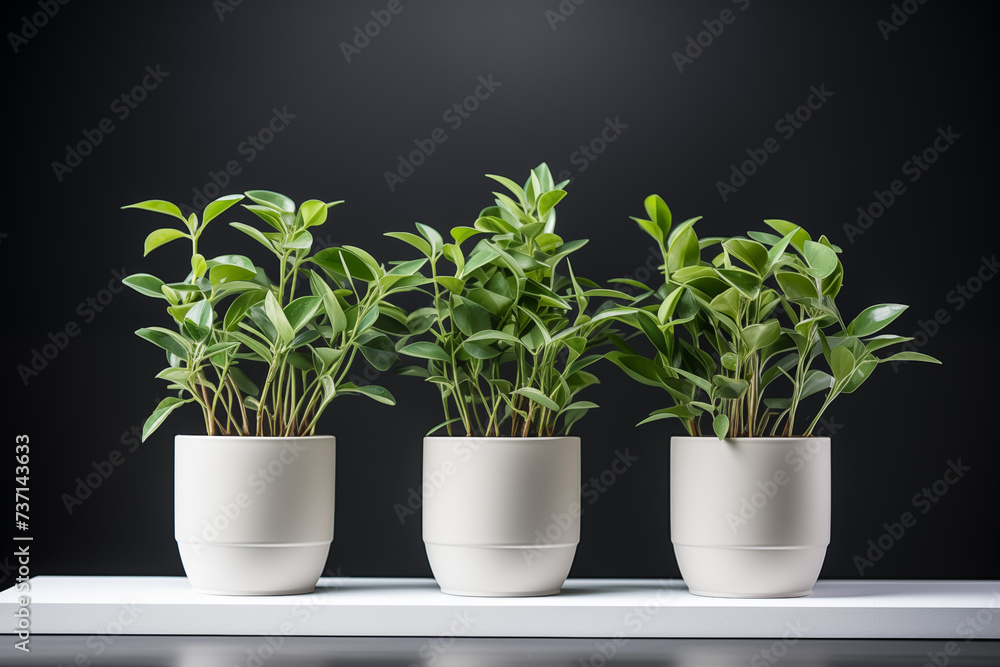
pixel 254 516
pixel 750 517
pixel 501 516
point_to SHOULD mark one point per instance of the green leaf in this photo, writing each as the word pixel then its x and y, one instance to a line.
pixel 783 227
pixel 841 363
pixel 145 284
pixel 580 405
pixel 344 261
pixel 822 259
pixel 378 350
pixel 253 233
pixel 721 426
pixel 675 412
pixel 538 397
pixel 728 388
pixel 759 336
pixel 659 214
pixel 878 342
pixel 313 212
pixel 301 310
pixel 911 356
pixel 414 240
pixel 239 307
pixel 480 257
pixel 276 316
pixel 230 268
pixel 302 240
pixel 255 345
pixel 816 381
pixel 198 320
pixel 548 201
pixel 198 265
pixel 748 284
pixel 638 368
pixel 875 318
pixel 166 339
pixel 515 189
pixel 159 237
pixel 480 350
pixel 214 209
pixel 490 336
pixel 159 206
pixel 729 361
pixel 462 233
pixel 213 351
pixel 161 412
pixel 372 391
pixel 274 200
pixel 269 215
pixel 750 253
pixel 796 286
pixel 425 350
pixel 451 284
pixel 243 381
pixel 650 228
pixel 683 251
pixel 432 236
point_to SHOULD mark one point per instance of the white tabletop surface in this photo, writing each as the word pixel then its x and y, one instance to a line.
pixel 624 608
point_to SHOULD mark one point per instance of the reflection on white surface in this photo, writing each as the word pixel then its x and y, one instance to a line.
pixel 175 651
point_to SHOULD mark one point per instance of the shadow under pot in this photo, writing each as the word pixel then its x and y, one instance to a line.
pixel 253 515
pixel 501 516
pixel 750 517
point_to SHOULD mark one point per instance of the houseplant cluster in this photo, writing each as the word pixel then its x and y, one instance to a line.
pixel 739 333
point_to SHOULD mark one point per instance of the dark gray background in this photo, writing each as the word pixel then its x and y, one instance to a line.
pixel 63 239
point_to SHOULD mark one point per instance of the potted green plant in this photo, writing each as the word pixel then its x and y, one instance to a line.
pixel 506 340
pixel 262 359
pixel 741 343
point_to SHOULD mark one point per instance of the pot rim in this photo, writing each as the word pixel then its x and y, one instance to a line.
pixel 774 438
pixel 499 438
pixel 252 437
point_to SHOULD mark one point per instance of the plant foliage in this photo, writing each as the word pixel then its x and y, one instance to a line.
pixel 506 338
pixel 301 332
pixel 745 338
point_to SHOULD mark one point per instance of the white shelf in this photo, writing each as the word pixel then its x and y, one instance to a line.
pixel 366 607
